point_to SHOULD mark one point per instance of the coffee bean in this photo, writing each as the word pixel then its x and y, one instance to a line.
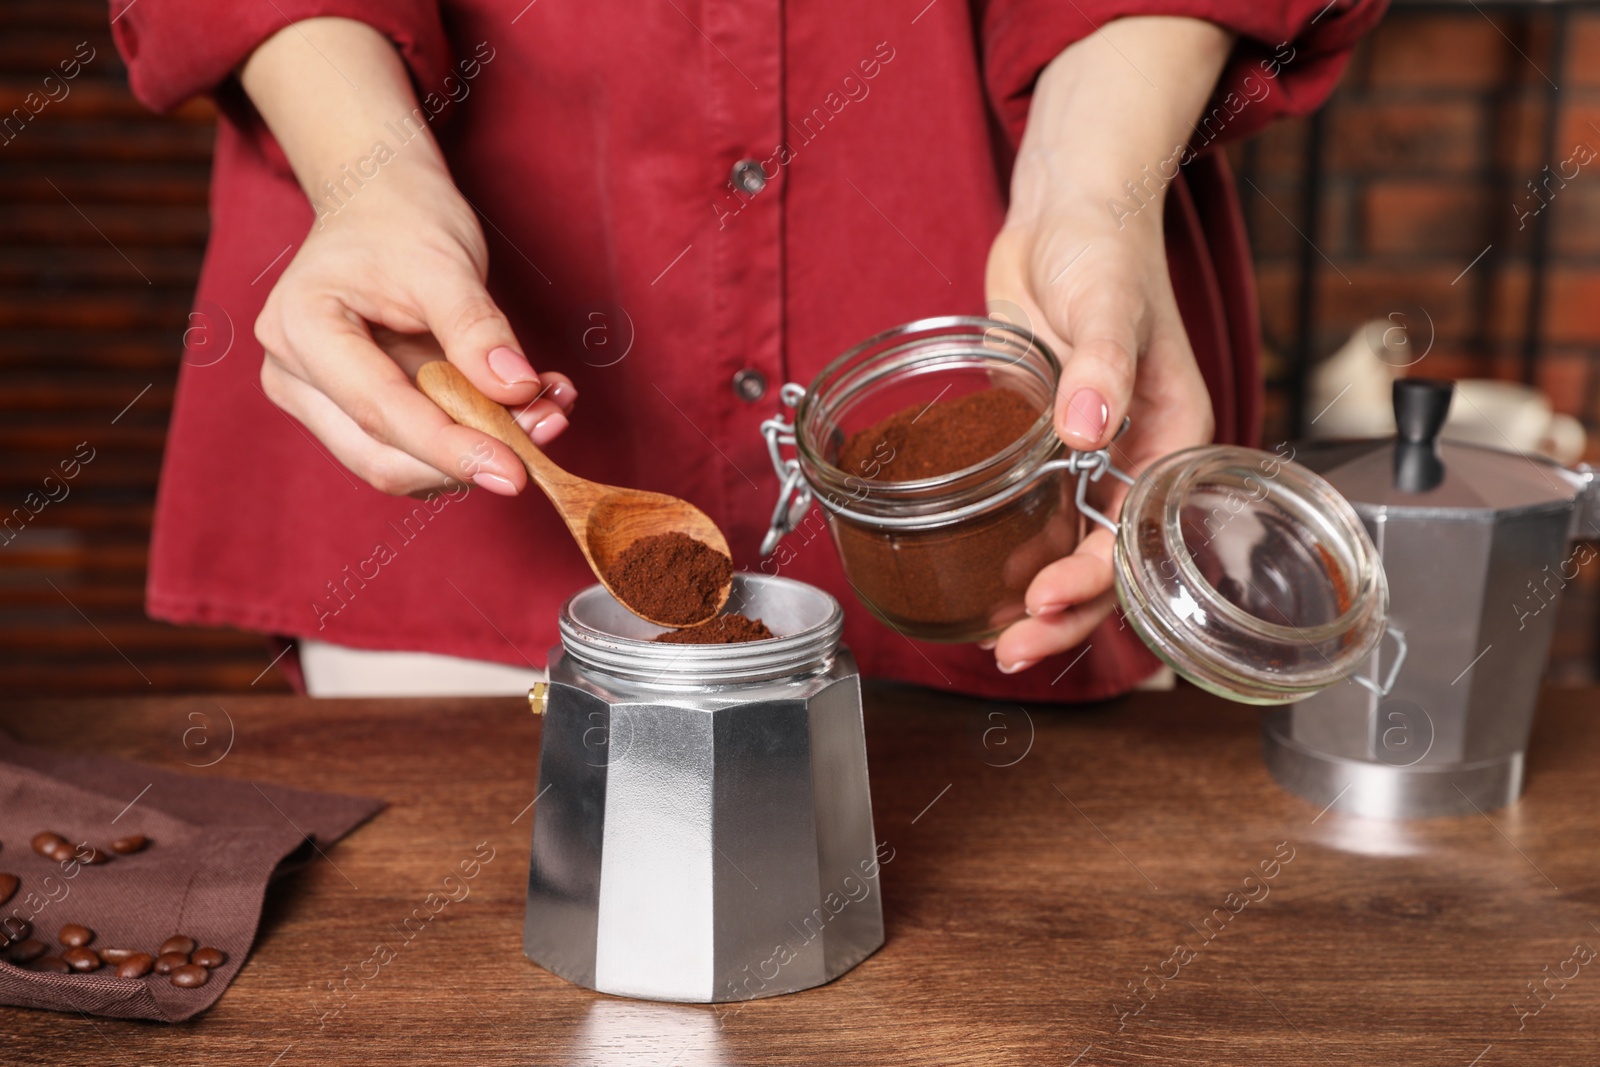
pixel 27 951
pixel 190 975
pixel 54 964
pixel 170 961
pixel 8 885
pixel 14 929
pixel 43 843
pixel 94 857
pixel 129 845
pixel 178 943
pixel 209 957
pixel 135 966
pixel 81 959
pixel 60 851
pixel 75 936
pixel 115 956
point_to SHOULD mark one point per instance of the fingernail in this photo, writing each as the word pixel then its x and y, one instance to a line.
pixel 564 396
pixel 509 366
pixel 494 483
pixel 1086 416
pixel 548 428
pixel 1045 609
pixel 989 644
pixel 1013 668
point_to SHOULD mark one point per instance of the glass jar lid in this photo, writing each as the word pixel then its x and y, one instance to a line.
pixel 1249 575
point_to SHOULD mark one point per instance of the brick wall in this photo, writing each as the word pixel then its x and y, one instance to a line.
pixel 1430 143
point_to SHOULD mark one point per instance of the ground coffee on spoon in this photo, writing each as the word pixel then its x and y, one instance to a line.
pixel 670 577
pixel 674 578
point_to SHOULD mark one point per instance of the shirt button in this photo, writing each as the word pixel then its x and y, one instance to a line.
pixel 750 385
pixel 748 175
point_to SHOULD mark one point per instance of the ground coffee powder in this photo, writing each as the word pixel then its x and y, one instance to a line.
pixel 962 581
pixel 670 578
pixel 928 440
pixel 722 630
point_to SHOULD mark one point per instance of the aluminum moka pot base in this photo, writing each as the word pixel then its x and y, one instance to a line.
pixel 1376 790
pixel 703 830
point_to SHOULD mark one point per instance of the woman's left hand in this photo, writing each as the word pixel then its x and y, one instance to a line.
pixel 1091 282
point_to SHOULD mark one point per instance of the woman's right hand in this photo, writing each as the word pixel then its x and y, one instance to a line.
pixel 391 281
pixel 390 277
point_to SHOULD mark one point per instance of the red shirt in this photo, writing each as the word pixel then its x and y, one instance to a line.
pixel 598 142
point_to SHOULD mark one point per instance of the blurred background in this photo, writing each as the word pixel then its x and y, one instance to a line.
pixel 1412 227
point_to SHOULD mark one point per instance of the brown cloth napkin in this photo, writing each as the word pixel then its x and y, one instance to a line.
pixel 214 845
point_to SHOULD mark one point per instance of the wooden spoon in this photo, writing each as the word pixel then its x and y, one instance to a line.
pixel 604 519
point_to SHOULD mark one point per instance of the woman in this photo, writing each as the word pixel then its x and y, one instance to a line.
pixel 685 204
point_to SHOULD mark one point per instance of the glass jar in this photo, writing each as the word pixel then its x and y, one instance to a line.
pixel 1245 572
pixel 1248 574
pixel 944 558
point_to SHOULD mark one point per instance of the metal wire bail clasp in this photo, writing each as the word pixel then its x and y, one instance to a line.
pixel 1089 466
pixel 794 492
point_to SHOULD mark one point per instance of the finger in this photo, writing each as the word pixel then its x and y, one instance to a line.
pixel 1172 411
pixel 1173 385
pixel 337 357
pixel 1008 296
pixel 1028 641
pixel 543 422
pixel 386 469
pixel 1098 340
pixel 557 395
pixel 1097 375
pixel 477 338
pixel 1084 575
pixel 545 417
pixel 559 388
pixel 1067 599
pixel 410 350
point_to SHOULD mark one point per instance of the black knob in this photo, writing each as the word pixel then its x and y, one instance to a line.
pixel 1420 408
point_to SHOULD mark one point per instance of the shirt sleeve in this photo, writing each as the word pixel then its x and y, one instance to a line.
pixel 1287 58
pixel 176 49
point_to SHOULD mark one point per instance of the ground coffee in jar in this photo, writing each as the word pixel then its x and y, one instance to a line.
pixel 926 440
pixel 959 581
pixel 931 450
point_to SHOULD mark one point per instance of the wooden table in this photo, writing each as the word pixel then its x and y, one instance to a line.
pixel 1045 861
